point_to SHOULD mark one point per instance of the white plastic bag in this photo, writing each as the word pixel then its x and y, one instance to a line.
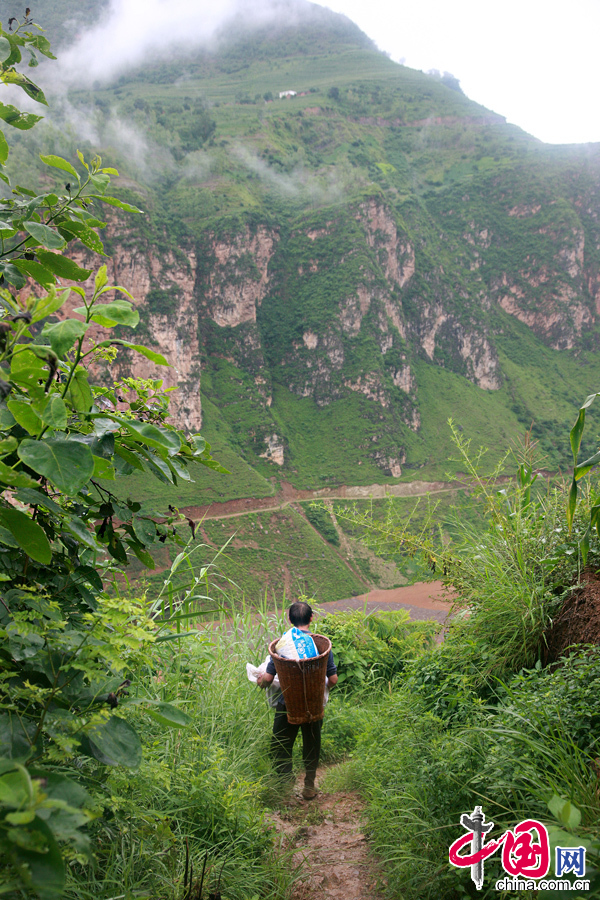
pixel 296 644
pixel 273 690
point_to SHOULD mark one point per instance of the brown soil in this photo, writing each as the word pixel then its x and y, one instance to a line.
pixel 330 855
pixel 423 600
pixel 578 621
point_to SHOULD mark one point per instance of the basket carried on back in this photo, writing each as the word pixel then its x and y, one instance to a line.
pixel 303 682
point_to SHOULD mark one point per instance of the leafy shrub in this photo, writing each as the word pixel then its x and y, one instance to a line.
pixel 68 649
pixel 415 777
pixel 568 695
pixel 346 719
pixel 321 520
pixel 201 788
pixel 371 647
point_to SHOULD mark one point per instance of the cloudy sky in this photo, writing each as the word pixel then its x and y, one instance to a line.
pixel 534 61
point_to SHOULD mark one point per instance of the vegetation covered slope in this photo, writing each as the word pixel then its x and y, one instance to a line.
pixel 340 271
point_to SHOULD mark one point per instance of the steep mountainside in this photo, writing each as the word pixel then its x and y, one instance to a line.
pixel 340 271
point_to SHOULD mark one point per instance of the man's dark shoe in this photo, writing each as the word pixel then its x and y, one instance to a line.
pixel 309 792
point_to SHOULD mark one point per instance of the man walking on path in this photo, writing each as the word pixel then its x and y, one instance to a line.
pixel 300 615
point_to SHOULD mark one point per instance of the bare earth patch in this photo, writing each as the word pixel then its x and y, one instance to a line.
pixel 329 847
pixel 578 622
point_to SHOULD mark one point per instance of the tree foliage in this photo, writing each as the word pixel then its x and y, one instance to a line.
pixel 67 647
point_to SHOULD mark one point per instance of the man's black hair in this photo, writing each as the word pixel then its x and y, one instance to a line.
pixel 300 613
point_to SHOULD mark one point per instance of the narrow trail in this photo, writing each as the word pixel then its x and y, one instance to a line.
pixel 329 847
pixel 289 494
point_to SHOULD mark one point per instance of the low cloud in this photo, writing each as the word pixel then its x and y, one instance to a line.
pixel 132 32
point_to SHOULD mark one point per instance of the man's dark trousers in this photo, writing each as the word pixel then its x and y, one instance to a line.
pixel 282 744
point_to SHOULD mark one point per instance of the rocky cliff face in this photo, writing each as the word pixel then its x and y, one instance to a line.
pixel 344 305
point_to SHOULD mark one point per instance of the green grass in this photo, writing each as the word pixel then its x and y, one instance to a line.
pixel 270 555
pixel 203 787
pixel 207 486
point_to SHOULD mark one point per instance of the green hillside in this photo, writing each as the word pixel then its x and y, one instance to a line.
pixel 364 259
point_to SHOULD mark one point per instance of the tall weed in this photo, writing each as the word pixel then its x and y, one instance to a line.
pixel 202 787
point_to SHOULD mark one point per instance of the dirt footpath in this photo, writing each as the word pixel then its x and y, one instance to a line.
pixel 329 848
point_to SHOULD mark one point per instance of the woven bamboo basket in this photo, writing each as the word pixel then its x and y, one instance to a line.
pixel 303 682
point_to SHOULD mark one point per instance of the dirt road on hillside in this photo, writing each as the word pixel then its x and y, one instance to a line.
pixel 288 494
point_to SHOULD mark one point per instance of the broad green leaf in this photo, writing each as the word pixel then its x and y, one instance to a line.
pixel 151 435
pixel 27 533
pixel 63 266
pixel 80 391
pixel 157 466
pixel 36 271
pixel 154 357
pixel 101 278
pixel 32 90
pixel 63 335
pixel 15 737
pixel 115 743
pixel 179 469
pixel 74 229
pixel 99 183
pixel 69 465
pixel 7 445
pixel 214 465
pixel 42 44
pixel 112 201
pixel 143 556
pixel 13 116
pixel 129 457
pixel 145 530
pixel 15 479
pixel 3 149
pixel 10 272
pixel 120 312
pixel 7 420
pixel 6 538
pixel 88 575
pixel 28 371
pixel 15 787
pixel 55 412
pixel 154 436
pixel 45 236
pixel 5 49
pixel 58 162
pixel 26 416
pixel 584 467
pixel 21 818
pixel 49 304
pixel 79 529
pixel 199 443
pixel 567 814
pixel 38 498
pixel 45 353
pixel 46 867
pixel 103 468
pixel 166 714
